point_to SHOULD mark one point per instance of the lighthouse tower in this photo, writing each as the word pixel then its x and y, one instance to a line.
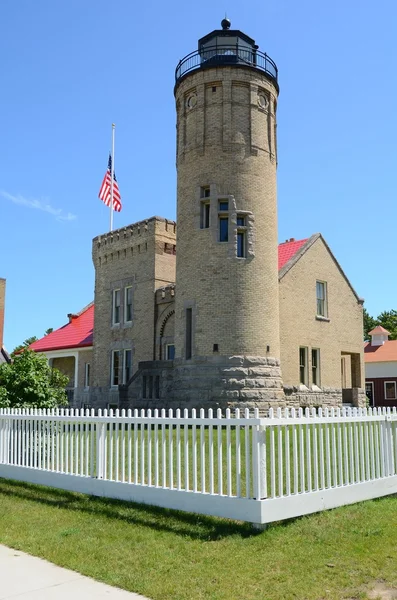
pixel 227 343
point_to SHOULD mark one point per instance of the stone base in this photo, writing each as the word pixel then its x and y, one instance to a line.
pixel 211 382
pixel 321 397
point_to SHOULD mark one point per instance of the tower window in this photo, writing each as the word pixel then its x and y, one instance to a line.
pixel 241 244
pixel 223 205
pixel 240 221
pixel 205 215
pixel 223 229
pixel 189 339
pixel 205 191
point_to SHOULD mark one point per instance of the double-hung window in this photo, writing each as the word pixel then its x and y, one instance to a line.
pixel 128 304
pixel 390 390
pixel 316 366
pixel 127 366
pixel 303 378
pixel 321 296
pixel 116 307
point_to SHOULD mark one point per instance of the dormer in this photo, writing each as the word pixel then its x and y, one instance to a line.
pixel 379 336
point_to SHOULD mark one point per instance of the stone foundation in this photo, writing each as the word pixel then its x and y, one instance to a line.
pixel 321 397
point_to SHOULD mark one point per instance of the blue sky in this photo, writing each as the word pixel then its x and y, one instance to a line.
pixel 70 69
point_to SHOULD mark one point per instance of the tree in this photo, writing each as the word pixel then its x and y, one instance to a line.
pixel 25 344
pixel 369 324
pixel 29 382
pixel 49 330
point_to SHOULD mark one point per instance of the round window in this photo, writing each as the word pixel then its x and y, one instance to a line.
pixel 263 101
pixel 191 101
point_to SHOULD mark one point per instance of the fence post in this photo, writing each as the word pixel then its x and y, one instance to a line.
pixel 262 462
pixel 259 462
pixel 100 447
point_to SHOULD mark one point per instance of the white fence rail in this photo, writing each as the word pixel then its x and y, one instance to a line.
pixel 239 466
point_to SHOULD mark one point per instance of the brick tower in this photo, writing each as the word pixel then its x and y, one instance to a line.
pixel 227 306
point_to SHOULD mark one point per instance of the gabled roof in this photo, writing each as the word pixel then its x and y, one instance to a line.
pixel 78 333
pixel 302 249
pixel 387 352
pixel 379 330
pixel 287 250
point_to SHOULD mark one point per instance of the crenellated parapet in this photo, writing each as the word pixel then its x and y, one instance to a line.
pixel 135 239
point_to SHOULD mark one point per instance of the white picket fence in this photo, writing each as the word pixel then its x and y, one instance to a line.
pixel 238 466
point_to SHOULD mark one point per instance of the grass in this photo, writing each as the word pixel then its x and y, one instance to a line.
pixel 165 554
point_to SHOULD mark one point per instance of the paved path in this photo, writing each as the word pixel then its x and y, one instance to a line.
pixel 24 577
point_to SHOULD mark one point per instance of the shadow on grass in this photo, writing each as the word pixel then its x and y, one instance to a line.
pixel 194 526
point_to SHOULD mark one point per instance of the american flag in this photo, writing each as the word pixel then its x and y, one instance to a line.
pixel 104 192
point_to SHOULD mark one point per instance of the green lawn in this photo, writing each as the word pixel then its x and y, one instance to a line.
pixel 170 555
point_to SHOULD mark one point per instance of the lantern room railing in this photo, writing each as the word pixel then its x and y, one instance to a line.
pixel 214 56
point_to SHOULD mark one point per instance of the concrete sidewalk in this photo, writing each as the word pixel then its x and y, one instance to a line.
pixel 28 578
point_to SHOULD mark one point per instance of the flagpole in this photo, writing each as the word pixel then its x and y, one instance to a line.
pixel 112 179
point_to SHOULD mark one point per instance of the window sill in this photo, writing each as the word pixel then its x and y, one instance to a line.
pixel 303 388
pixel 321 318
pixel 315 388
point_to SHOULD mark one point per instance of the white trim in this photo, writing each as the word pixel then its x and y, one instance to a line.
pixel 395 390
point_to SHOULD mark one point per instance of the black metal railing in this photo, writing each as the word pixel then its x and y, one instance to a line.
pixel 214 56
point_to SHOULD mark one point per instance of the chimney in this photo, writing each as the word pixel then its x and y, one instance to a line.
pixel 2 308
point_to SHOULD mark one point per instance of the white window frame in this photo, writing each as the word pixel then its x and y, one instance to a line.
pixel 306 377
pixel 324 300
pixel 87 373
pixel 112 384
pixel 318 366
pixel 114 296
pixel 395 390
pixel 125 380
pixel 129 287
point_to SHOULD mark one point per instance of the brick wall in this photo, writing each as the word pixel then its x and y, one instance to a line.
pixel 341 332
pixel 226 141
pixel 141 256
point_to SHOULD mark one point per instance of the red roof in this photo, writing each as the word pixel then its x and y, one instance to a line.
pixel 78 333
pixel 387 352
pixel 287 250
pixel 379 330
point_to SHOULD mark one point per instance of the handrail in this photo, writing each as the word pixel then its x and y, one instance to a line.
pixel 220 55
